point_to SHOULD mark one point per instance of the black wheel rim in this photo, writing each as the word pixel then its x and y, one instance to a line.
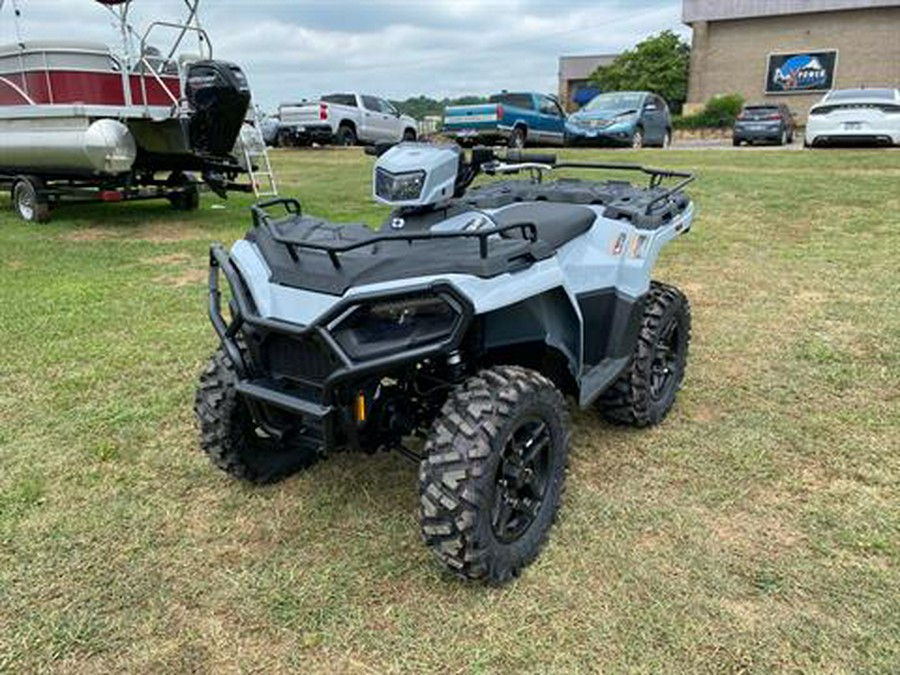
pixel 664 368
pixel 523 476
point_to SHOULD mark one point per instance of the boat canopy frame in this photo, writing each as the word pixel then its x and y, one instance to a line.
pixel 147 62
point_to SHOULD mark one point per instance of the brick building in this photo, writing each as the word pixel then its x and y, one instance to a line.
pixel 575 88
pixel 791 51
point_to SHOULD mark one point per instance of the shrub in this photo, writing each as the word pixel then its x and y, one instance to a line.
pixel 720 112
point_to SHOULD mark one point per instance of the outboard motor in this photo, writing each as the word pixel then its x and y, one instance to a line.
pixel 219 96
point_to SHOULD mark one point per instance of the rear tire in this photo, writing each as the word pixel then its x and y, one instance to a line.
pixel 492 478
pixel 409 136
pixel 518 138
pixel 28 201
pixel 645 392
pixel 231 439
pixel 346 136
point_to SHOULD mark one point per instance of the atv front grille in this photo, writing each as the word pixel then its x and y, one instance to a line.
pixel 302 359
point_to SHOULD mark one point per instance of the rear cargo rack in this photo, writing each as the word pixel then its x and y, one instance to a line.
pixel 261 218
pixel 515 161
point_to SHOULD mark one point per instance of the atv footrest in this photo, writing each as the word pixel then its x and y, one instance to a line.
pixel 266 391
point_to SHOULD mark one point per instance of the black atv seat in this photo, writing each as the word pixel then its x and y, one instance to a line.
pixel 556 224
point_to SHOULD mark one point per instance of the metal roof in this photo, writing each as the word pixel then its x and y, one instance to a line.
pixel 722 10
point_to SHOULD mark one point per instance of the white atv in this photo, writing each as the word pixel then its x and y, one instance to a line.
pixel 464 321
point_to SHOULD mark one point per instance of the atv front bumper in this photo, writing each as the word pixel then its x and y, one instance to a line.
pixel 299 377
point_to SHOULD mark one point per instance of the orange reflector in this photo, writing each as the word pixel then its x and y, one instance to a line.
pixel 361 407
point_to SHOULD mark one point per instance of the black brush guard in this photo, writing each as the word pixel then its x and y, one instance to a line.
pixel 261 389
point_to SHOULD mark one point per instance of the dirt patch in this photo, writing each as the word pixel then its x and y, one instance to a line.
pixel 170 259
pixel 155 233
pixel 750 531
pixel 166 233
pixel 91 234
pixel 13 265
pixel 186 278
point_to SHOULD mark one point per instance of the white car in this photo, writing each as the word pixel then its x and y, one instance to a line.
pixel 849 116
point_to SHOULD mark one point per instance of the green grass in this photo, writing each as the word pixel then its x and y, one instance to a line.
pixel 755 531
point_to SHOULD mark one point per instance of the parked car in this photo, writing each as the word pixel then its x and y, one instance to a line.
pixel 516 118
pixel 632 118
pixel 766 122
pixel 855 116
pixel 345 119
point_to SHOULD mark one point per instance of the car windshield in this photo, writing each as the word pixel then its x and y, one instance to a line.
pixel 616 101
pixel 761 108
pixel 849 94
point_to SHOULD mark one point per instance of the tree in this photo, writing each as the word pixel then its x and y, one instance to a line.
pixel 661 64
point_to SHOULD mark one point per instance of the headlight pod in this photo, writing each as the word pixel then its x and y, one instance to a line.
pixel 394 325
pixel 399 187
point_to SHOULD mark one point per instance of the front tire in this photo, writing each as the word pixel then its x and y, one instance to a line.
pixel 645 392
pixel 409 136
pixel 637 141
pixel 232 440
pixel 493 473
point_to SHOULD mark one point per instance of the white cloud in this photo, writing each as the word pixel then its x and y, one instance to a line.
pixel 396 48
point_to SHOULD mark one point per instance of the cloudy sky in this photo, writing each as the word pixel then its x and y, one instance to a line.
pixel 397 48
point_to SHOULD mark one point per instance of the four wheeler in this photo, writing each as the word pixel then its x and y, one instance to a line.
pixel 464 321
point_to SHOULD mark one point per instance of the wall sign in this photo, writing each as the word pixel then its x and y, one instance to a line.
pixel 801 72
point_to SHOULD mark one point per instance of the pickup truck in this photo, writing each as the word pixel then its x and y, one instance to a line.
pixel 519 119
pixel 345 119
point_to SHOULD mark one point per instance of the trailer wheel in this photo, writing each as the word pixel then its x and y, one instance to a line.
pixel 186 197
pixel 492 478
pixel 645 392
pixel 28 201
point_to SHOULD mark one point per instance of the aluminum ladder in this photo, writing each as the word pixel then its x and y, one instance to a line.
pixel 256 159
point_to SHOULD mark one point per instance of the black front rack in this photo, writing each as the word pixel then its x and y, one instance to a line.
pixel 261 218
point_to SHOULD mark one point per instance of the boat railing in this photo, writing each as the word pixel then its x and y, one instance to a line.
pixel 26 64
pixel 146 61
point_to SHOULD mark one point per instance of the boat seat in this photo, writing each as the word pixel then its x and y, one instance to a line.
pixel 557 224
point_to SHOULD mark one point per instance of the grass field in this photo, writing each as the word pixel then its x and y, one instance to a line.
pixel 757 530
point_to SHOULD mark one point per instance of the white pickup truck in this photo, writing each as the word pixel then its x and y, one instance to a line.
pixel 345 119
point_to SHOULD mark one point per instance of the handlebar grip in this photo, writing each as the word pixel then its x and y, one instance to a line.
pixel 518 157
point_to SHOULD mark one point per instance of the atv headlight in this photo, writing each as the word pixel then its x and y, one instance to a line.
pixel 399 187
pixel 395 325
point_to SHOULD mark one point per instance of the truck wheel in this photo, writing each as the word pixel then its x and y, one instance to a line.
pixel 518 138
pixel 409 135
pixel 645 392
pixel 229 436
pixel 29 203
pixel 285 139
pixel 346 136
pixel 492 478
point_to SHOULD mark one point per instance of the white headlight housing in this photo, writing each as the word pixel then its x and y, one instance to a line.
pixel 416 174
